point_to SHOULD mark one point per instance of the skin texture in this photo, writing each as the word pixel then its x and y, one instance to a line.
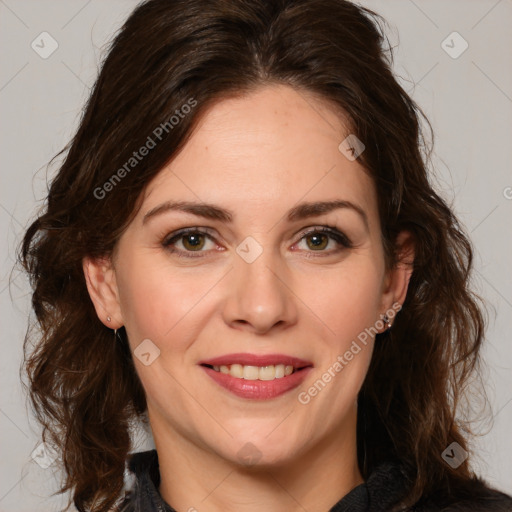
pixel 258 156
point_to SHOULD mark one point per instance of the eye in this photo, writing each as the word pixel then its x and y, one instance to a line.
pixel 188 241
pixel 320 238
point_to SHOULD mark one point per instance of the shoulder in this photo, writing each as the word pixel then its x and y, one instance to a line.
pixel 478 497
pixel 389 484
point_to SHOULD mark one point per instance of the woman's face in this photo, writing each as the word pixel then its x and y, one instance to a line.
pixel 255 276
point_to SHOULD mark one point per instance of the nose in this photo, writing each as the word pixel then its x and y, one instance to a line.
pixel 258 297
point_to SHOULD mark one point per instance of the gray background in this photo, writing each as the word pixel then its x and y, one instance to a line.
pixel 468 100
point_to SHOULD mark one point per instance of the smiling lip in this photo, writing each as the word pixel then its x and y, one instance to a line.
pixel 257 389
pixel 257 360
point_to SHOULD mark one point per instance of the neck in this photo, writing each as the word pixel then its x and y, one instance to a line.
pixel 192 478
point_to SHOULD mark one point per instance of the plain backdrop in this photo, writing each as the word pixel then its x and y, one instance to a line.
pixel 466 94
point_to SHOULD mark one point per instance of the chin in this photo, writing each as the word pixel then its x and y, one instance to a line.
pixel 258 453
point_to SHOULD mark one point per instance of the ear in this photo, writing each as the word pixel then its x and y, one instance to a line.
pixel 102 287
pixel 397 279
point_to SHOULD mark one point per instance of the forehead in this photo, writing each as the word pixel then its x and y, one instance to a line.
pixel 274 146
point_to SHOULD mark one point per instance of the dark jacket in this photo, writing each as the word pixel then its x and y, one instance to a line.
pixel 384 487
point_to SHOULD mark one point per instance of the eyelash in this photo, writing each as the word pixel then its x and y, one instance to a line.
pixel 330 231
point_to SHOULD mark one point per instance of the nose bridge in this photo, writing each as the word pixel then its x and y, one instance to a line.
pixel 259 297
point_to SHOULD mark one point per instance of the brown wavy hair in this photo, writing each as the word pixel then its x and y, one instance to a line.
pixel 82 381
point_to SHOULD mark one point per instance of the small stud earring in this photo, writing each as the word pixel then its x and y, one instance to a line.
pixel 109 319
pixel 387 322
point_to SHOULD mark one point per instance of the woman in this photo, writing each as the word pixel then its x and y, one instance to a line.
pixel 243 247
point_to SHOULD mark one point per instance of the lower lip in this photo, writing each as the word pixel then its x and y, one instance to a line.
pixel 258 389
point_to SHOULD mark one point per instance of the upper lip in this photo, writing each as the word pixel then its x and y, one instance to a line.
pixel 257 360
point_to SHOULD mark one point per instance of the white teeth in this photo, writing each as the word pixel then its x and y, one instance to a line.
pixel 251 372
pixel 237 370
pixel 248 372
pixel 267 372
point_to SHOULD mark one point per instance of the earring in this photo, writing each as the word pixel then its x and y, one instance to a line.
pixel 387 322
pixel 109 319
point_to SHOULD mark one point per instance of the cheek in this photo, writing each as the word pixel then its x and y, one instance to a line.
pixel 348 300
pixel 157 299
pixel 350 307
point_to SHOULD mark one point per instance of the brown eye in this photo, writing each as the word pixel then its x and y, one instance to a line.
pixel 193 241
pixel 324 240
pixel 189 243
pixel 317 241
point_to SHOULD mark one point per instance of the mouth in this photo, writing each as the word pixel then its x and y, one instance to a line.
pixel 253 376
pixel 256 366
pixel 250 372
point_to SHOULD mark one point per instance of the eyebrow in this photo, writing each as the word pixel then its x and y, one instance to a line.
pixel 210 211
